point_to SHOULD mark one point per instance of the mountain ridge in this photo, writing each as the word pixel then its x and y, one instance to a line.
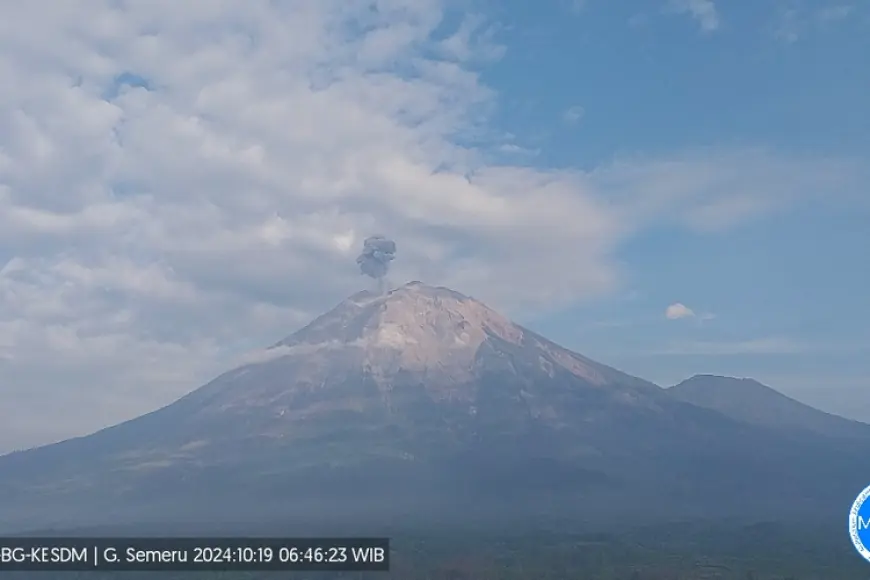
pixel 425 403
pixel 749 400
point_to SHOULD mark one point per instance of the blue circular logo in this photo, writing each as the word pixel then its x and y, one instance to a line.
pixel 859 523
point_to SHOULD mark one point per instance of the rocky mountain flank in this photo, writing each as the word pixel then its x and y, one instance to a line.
pixel 425 404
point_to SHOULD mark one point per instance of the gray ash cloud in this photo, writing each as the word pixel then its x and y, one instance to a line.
pixel 378 252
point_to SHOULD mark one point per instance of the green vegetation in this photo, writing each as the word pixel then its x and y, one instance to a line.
pixel 676 553
pixel 763 552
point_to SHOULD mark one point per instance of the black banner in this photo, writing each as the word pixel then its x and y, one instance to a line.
pixel 194 554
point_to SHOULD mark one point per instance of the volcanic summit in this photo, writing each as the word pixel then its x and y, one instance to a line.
pixel 437 336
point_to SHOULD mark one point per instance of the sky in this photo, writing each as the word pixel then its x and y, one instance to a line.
pixel 670 187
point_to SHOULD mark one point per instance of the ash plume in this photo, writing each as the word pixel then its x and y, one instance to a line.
pixel 374 261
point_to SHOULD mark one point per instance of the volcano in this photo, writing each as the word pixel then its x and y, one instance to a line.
pixel 424 404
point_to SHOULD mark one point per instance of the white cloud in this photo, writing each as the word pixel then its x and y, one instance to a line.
pixel 789 26
pixel 768 345
pixel 573 114
pixel 704 11
pixel 577 6
pixel 794 23
pixel 638 20
pixel 758 346
pixel 514 149
pixel 835 13
pixel 677 311
pixel 149 235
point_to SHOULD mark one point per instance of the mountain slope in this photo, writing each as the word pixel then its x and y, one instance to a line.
pixel 750 401
pixel 425 404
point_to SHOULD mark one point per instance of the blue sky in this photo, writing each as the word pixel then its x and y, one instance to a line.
pixel 181 183
pixel 785 292
pixel 651 80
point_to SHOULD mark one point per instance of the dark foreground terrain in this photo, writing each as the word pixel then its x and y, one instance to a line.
pixel 677 552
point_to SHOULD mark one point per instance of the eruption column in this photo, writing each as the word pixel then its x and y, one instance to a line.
pixel 374 261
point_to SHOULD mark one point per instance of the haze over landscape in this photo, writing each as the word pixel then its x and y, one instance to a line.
pixel 571 262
